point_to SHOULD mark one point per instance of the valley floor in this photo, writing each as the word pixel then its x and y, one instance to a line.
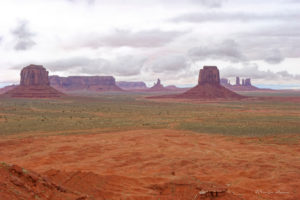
pixel 139 164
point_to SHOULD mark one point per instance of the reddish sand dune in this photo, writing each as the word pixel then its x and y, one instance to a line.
pixel 148 164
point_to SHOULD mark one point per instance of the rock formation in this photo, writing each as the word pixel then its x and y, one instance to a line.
pixel 19 183
pixel 157 87
pixel 131 85
pixel 34 84
pixel 208 87
pixel 237 81
pixel 209 75
pixel 34 75
pixel 91 83
pixel 224 81
pixel 245 86
pixel 247 82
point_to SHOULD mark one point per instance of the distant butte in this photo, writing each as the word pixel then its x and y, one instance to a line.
pixel 208 87
pixel 34 84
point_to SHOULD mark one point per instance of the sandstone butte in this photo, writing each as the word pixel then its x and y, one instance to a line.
pixel 208 87
pixel 34 84
pixel 90 83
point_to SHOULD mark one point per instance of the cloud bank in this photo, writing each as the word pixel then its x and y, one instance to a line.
pixel 23 36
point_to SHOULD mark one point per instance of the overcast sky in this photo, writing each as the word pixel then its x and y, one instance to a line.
pixel 143 40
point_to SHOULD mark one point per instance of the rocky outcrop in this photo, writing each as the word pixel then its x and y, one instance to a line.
pixel 34 84
pixel 19 183
pixel 125 85
pixel 158 87
pixel 245 86
pixel 91 83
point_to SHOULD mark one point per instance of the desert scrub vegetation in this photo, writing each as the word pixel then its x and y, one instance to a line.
pixel 115 112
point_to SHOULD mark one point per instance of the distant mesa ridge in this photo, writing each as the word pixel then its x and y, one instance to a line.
pixel 244 86
pixel 34 84
pixel 92 83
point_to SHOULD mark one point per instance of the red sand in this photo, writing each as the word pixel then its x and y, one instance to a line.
pixel 43 91
pixel 148 163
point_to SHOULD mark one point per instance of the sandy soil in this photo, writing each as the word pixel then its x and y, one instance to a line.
pixel 135 163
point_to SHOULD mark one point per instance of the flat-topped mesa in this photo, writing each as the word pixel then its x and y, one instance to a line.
pixel 34 75
pixel 92 83
pixel 209 75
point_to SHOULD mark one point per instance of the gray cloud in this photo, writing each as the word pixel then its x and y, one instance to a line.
pixel 167 63
pixel 123 66
pixel 227 50
pixel 87 1
pixel 212 16
pixel 274 57
pixel 23 36
pixel 253 71
pixel 151 38
pixel 206 3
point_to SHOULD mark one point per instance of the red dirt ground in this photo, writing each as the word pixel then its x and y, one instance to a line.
pixel 153 164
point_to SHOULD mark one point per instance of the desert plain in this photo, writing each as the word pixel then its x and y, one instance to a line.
pixel 127 146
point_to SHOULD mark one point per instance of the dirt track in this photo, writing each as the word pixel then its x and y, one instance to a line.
pixel 250 169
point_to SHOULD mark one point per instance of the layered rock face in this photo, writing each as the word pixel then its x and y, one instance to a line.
pixel 34 75
pixel 93 83
pixel 209 86
pixel 34 84
pixel 131 85
pixel 210 75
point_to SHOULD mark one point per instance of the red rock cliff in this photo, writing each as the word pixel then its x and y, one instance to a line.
pixel 210 75
pixel 34 84
pixel 34 75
